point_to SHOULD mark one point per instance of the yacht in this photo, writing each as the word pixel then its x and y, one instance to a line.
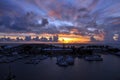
pixel 93 58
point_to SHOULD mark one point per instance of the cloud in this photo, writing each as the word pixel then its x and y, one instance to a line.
pixel 85 17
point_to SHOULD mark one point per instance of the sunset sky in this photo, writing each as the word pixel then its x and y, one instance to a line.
pixel 72 20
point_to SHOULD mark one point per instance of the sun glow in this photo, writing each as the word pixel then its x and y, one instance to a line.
pixel 72 38
pixel 66 40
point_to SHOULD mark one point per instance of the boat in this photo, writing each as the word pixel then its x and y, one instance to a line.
pixel 6 60
pixel 59 58
pixel 70 60
pixel 93 58
pixel 1 56
pixel 10 75
pixel 42 57
pixel 117 54
pixel 65 61
pixel 61 61
pixel 32 61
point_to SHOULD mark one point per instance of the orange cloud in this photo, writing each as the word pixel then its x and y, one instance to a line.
pixel 117 22
pixel 99 37
pixel 54 13
pixel 74 31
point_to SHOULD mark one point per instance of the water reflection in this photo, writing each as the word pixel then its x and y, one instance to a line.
pixel 46 69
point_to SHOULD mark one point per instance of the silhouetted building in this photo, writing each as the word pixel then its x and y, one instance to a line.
pixel 27 38
pixel 43 39
pixel 36 38
pixel 50 39
pixel 19 39
pixel 55 38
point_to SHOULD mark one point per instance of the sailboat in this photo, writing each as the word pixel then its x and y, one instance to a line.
pixel 10 75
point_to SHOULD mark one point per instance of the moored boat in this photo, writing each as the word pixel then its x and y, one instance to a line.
pixel 117 54
pixel 93 58
pixel 70 60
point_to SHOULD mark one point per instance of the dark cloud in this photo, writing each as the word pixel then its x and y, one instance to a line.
pixel 10 9
pixel 22 23
pixel 84 15
pixel 82 9
pixel 44 22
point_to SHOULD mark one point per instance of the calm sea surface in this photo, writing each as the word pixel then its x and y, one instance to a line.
pixel 108 69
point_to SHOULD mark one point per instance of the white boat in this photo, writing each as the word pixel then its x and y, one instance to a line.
pixel 93 58
pixel 65 61
pixel 59 58
pixel 70 60
pixel 61 61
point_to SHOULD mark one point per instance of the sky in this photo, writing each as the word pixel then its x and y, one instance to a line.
pixel 98 19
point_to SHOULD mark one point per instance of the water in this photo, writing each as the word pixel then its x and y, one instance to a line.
pixel 108 69
pixel 113 44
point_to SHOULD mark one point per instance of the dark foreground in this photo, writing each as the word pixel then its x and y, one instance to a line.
pixel 47 62
pixel 47 69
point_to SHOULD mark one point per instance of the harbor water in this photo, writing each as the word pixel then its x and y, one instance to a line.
pixel 108 69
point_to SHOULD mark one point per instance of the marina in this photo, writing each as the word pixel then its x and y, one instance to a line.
pixel 48 68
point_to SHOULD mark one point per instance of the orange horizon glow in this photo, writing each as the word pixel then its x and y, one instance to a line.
pixel 63 38
pixel 72 38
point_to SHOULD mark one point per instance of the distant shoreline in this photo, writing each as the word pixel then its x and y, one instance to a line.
pixel 59 43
